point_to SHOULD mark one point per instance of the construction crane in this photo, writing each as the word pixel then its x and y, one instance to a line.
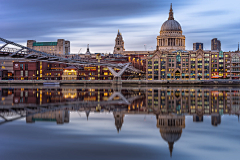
pixel 79 50
pixel 145 47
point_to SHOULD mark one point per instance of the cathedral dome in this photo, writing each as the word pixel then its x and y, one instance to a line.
pixel 171 25
pixel 170 135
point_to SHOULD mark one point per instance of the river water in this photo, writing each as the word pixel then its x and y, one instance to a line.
pixel 99 123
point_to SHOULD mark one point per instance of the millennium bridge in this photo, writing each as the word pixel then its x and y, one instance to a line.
pixel 22 52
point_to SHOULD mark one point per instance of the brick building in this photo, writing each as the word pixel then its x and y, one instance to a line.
pixel 35 70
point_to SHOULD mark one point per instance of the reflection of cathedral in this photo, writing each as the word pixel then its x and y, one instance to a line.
pixel 171 128
pixel 197 102
pixel 118 116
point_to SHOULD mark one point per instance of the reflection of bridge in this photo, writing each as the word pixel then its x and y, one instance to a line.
pixel 28 53
pixel 13 112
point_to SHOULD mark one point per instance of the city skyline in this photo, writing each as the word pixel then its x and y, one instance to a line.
pixel 97 23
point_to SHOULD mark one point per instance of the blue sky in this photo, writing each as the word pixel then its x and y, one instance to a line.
pixel 96 22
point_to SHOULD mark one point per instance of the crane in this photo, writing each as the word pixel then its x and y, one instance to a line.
pixel 79 50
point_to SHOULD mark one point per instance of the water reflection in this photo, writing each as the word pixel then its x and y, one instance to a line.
pixel 60 117
pixel 171 128
pixel 169 105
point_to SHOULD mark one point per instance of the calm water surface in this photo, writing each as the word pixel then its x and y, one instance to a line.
pixel 73 122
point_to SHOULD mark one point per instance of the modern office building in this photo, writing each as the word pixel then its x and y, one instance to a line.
pixel 215 44
pixel 197 45
pixel 61 47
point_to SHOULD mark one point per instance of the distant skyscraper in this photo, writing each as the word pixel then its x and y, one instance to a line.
pixel 215 44
pixel 197 45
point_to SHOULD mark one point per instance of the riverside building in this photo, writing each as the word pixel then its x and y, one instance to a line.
pixel 233 65
pixel 172 62
pixel 61 47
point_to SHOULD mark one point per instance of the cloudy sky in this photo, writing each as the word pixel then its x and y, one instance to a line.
pixel 96 22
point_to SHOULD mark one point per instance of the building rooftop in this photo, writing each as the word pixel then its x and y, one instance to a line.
pixel 44 43
pixel 71 67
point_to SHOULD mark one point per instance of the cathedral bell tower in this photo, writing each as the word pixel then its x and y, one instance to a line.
pixel 119 44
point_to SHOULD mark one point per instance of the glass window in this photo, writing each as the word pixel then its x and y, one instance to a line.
pixel 178 58
pixel 26 73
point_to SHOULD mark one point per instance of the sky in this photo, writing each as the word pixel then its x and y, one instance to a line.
pixel 96 22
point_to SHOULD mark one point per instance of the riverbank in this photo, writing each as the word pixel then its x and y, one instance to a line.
pixel 123 82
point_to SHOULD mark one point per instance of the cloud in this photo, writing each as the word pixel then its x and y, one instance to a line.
pixel 96 22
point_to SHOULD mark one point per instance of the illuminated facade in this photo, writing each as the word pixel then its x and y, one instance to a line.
pixel 187 65
pixel 172 62
pixel 233 65
pixel 192 101
pixel 70 73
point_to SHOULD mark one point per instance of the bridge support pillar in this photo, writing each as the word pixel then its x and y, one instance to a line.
pixel 117 80
pixel 117 75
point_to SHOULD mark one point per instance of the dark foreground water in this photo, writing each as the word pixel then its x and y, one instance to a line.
pixel 101 124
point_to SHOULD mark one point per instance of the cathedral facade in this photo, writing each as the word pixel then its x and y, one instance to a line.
pixel 171 61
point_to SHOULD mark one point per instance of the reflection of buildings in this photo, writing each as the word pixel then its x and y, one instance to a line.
pixel 197 118
pixel 60 117
pixel 171 128
pixel 6 96
pixel 69 94
pixel 193 101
